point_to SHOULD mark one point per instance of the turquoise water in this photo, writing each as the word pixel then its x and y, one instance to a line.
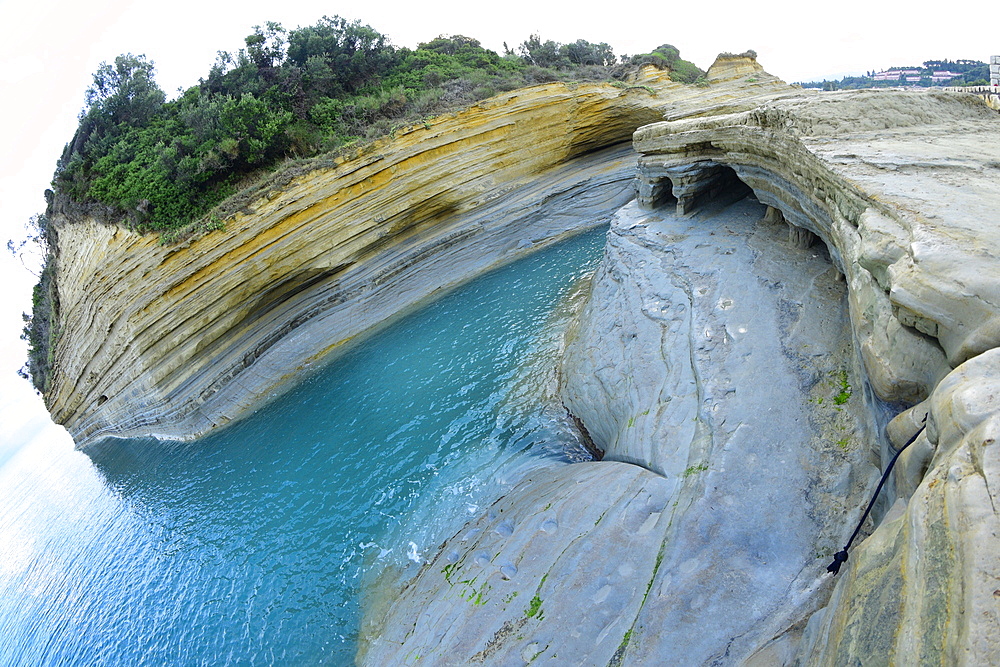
pixel 251 546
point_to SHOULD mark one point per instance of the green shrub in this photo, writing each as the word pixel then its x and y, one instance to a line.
pixel 427 101
pixel 685 72
pixel 161 165
pixel 41 326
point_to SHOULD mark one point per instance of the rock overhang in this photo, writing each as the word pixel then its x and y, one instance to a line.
pixel 801 155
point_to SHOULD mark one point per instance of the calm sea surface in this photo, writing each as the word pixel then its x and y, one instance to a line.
pixel 252 546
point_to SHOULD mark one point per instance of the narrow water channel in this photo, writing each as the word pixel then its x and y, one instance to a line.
pixel 250 546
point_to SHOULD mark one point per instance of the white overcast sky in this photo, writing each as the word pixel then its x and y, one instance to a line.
pixel 50 49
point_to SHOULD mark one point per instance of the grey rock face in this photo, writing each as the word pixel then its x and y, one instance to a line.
pixel 734 350
pixel 903 189
pixel 736 361
pixel 709 357
pixel 556 570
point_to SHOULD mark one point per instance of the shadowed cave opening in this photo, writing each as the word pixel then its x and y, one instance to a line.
pixel 661 195
pixel 689 188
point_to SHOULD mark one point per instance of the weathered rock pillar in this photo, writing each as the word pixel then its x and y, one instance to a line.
pixel 773 216
pixel 800 237
pixel 652 191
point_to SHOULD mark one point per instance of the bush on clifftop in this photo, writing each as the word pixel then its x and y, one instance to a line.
pixel 158 165
pixel 668 57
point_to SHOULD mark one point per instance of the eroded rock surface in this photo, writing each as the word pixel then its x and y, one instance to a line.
pixel 770 444
pixel 545 572
pixel 903 189
pixel 708 342
pixel 897 184
pixel 925 587
pixel 710 357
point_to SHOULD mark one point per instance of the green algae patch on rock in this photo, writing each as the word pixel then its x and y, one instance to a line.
pixel 553 588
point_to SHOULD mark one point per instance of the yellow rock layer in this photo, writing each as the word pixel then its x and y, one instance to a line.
pixel 173 341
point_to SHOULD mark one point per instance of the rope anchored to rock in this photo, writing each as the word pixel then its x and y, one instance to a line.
pixel 841 556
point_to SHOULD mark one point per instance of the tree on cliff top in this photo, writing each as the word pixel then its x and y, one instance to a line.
pixel 158 165
pixel 125 92
pixel 266 46
pixel 668 57
pixel 123 95
pixel 350 52
pixel 553 54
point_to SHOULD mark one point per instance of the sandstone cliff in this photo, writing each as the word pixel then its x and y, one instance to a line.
pixel 173 341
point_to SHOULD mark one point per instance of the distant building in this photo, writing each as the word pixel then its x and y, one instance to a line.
pixel 941 77
pixel 896 74
pixel 913 75
pixel 889 75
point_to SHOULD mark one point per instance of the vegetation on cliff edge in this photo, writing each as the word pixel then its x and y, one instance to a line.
pixel 158 165
pixel 40 328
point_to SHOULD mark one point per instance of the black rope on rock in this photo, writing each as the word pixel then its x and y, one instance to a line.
pixel 840 557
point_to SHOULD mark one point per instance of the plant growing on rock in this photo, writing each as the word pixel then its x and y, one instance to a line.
pixel 668 57
pixel 845 389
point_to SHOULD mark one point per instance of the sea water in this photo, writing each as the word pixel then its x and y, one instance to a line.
pixel 252 546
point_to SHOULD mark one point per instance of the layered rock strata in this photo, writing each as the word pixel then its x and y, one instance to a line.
pixel 173 341
pixel 682 368
pixel 897 185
